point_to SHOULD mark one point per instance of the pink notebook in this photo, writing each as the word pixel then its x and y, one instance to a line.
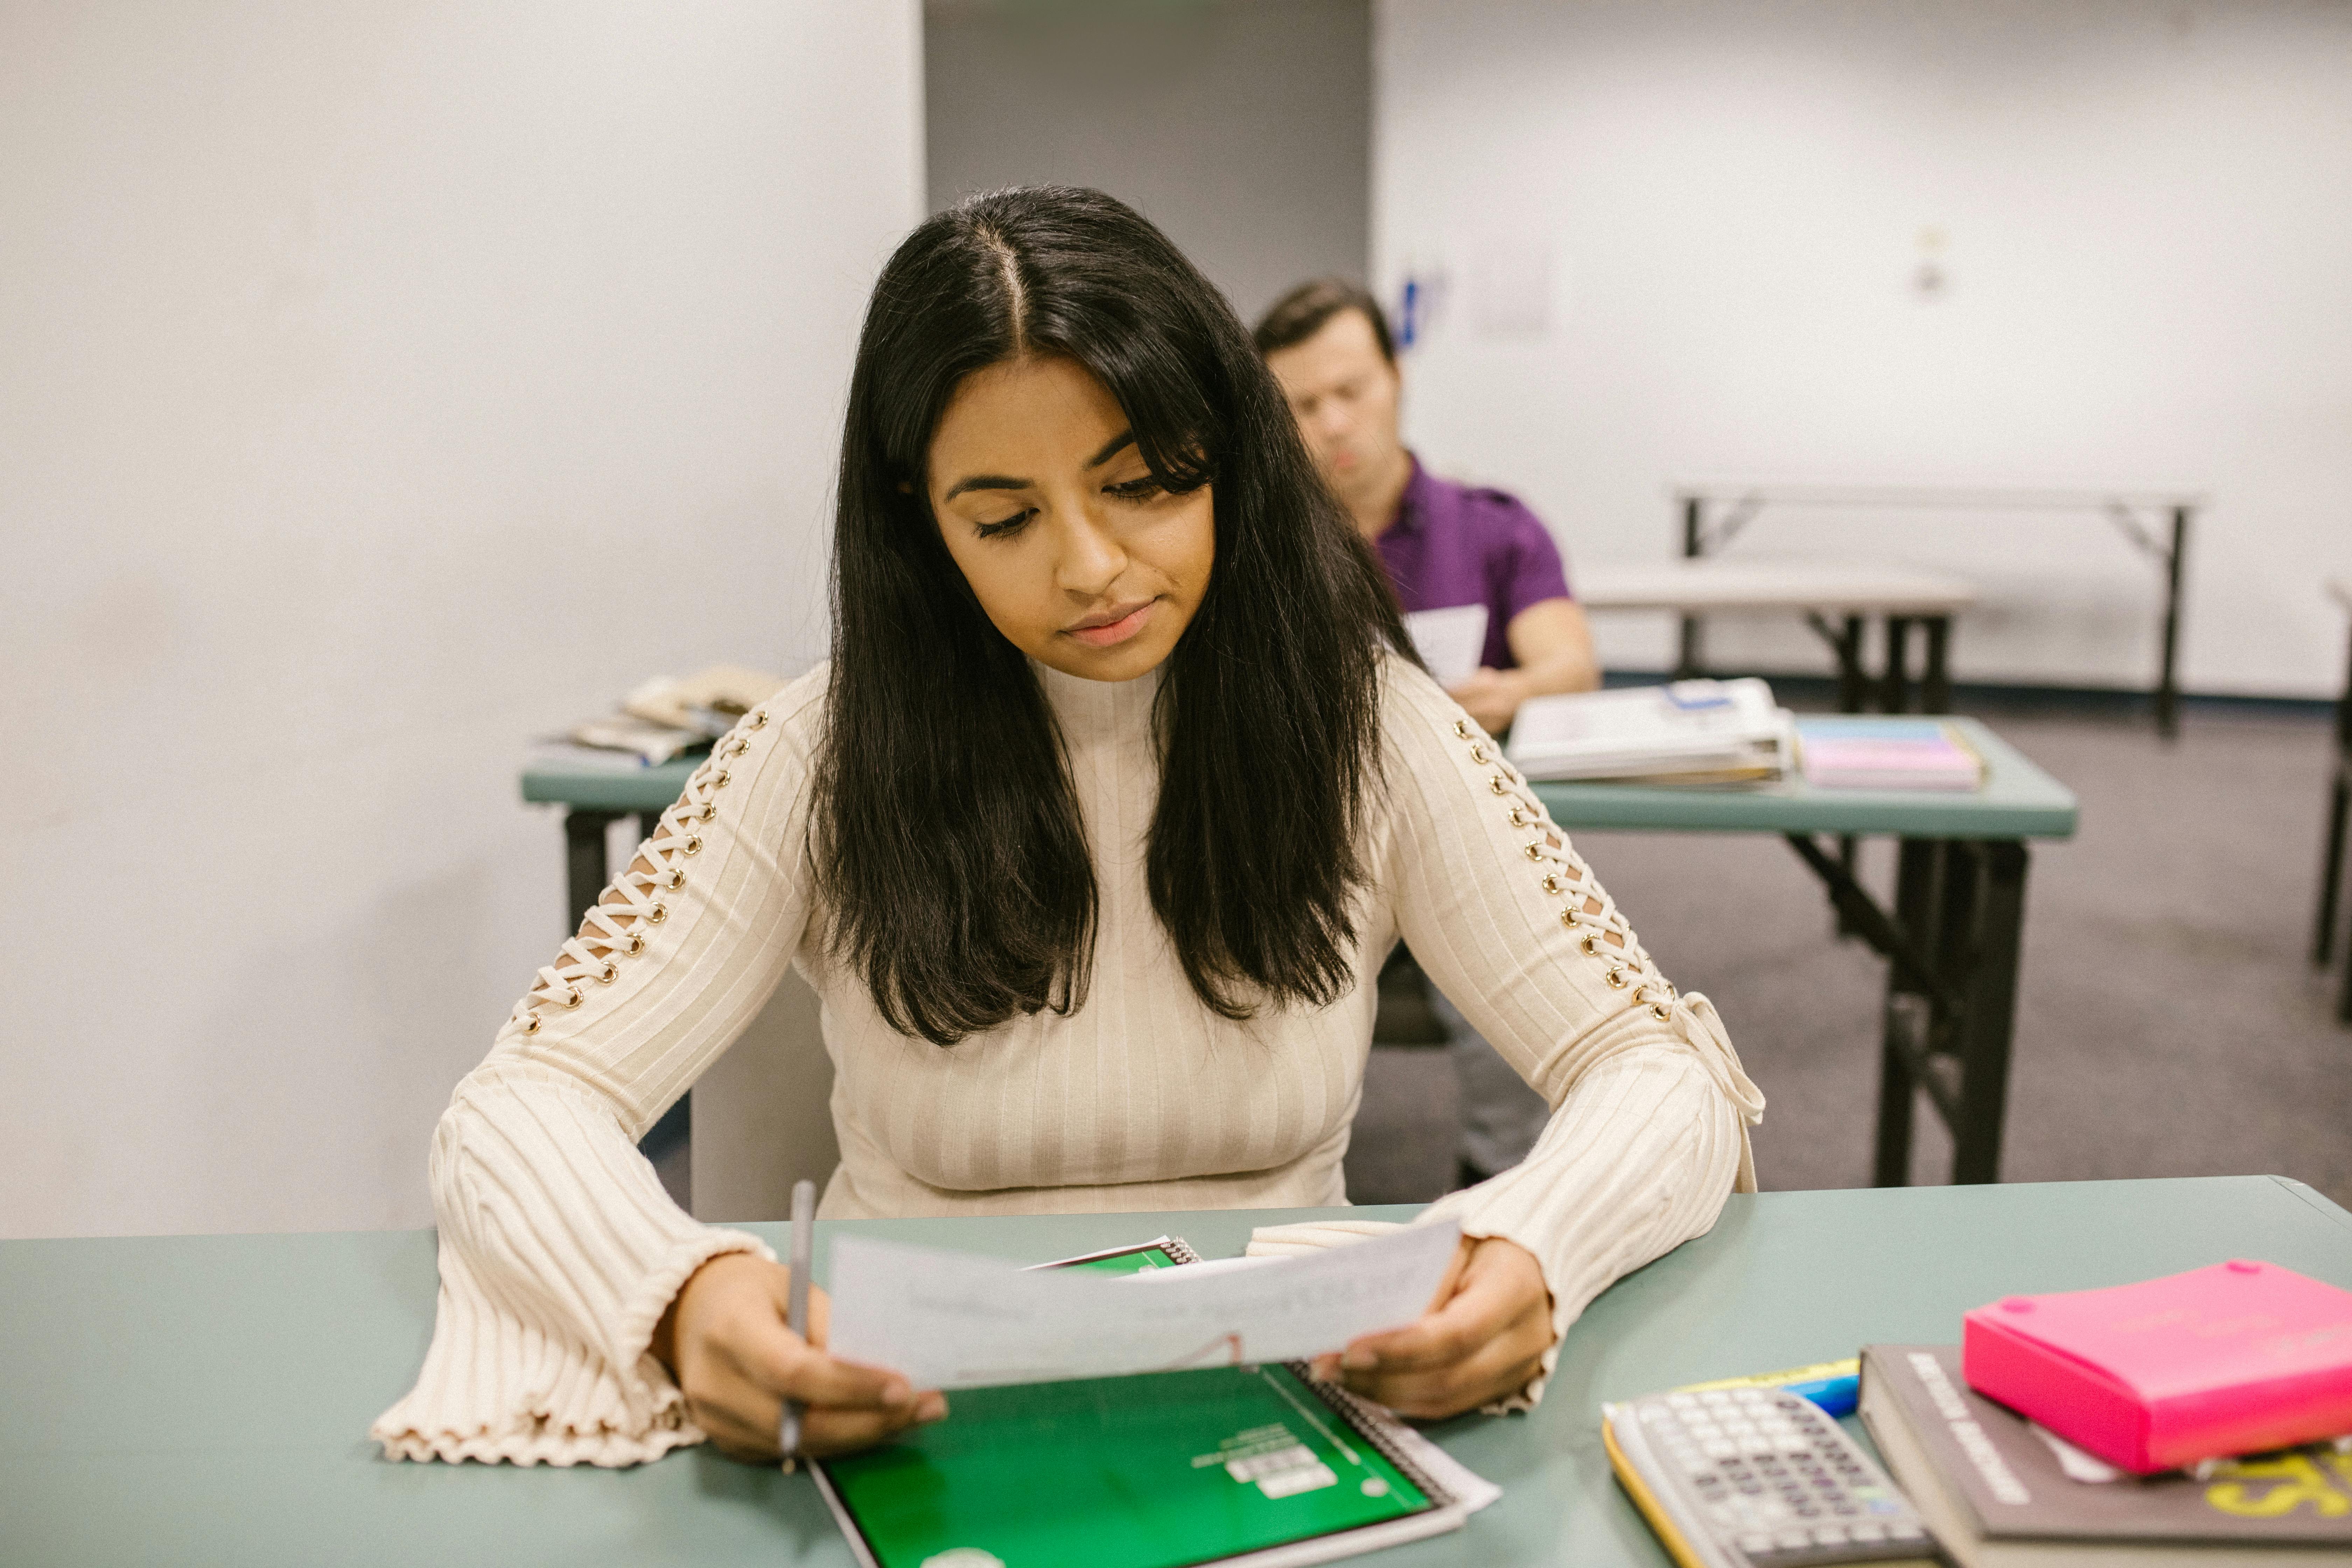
pixel 2235 1359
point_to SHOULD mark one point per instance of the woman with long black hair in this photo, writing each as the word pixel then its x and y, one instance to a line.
pixel 1092 836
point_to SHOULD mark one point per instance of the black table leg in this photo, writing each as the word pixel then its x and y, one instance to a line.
pixel 2167 690
pixel 2331 860
pixel 1906 1002
pixel 1986 1032
pixel 2331 866
pixel 1894 697
pixel 586 872
pixel 1935 681
pixel 1690 660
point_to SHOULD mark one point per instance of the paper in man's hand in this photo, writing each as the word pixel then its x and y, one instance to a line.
pixel 947 1320
pixel 1452 642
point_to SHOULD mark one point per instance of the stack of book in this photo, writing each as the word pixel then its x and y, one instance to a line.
pixel 2196 1419
pixel 1999 1493
pixel 1691 732
pixel 1889 753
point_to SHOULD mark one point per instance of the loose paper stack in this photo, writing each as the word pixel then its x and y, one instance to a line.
pixel 1692 731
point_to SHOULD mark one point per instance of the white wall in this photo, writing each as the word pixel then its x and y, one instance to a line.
pixel 1243 128
pixel 383 384
pixel 2146 236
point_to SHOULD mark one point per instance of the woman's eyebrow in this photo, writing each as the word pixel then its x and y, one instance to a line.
pixel 985 482
pixel 1111 449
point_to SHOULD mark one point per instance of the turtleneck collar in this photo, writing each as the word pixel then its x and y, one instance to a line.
pixel 1092 711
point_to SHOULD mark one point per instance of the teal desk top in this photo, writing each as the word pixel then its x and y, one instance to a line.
pixel 204 1399
pixel 2019 801
pixel 639 789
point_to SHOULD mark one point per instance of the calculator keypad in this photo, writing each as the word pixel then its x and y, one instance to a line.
pixel 1776 1478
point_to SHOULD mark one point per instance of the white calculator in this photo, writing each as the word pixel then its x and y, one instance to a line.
pixel 1757 1478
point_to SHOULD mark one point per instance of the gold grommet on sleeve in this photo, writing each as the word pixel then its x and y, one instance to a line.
pixel 1462 728
pixel 1535 849
pixel 531 1028
pixel 637 945
pixel 693 845
pixel 719 780
pixel 759 719
pixel 1494 782
pixel 1520 817
pixel 572 998
pixel 1551 883
pixel 1478 752
pixel 1661 1012
pixel 1568 919
pixel 657 914
pixel 676 880
pixel 709 811
pixel 611 972
pixel 1616 978
pixel 1590 944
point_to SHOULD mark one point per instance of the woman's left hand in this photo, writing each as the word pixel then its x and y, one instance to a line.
pixel 1483 1338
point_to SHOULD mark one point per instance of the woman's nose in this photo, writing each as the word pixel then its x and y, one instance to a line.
pixel 1091 560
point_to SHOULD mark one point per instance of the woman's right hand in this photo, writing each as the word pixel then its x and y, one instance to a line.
pixel 724 1339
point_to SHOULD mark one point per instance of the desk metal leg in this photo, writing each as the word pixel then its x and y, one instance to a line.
pixel 1690 658
pixel 1951 945
pixel 1935 681
pixel 2331 860
pixel 1986 1031
pixel 585 872
pixel 2331 866
pixel 1896 696
pixel 2167 690
pixel 1904 1045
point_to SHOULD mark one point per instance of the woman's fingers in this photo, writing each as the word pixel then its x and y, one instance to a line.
pixel 740 1361
pixel 780 1363
pixel 1482 1343
pixel 841 1431
pixel 1495 1370
pixel 1482 1303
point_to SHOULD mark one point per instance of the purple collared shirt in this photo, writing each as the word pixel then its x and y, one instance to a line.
pixel 1451 544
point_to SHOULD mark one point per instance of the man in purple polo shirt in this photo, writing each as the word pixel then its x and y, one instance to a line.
pixel 1445 544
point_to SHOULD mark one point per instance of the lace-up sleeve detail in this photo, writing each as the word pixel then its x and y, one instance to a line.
pixel 559 1249
pixel 1650 1108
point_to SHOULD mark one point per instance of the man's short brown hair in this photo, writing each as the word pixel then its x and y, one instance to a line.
pixel 1301 313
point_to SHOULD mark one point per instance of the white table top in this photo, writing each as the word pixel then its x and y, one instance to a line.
pixel 1786 583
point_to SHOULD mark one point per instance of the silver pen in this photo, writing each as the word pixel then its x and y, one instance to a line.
pixel 796 1313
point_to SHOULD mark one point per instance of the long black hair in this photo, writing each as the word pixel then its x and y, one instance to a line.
pixel 948 845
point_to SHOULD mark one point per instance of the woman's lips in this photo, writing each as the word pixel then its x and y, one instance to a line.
pixel 1096 631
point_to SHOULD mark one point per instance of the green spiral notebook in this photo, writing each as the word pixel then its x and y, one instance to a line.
pixel 1239 1465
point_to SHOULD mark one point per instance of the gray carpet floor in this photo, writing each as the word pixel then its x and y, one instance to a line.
pixel 2170 1022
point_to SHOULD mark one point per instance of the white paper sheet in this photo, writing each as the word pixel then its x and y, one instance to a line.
pixel 947 1320
pixel 1450 641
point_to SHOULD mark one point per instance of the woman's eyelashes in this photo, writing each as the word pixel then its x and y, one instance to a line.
pixel 1141 490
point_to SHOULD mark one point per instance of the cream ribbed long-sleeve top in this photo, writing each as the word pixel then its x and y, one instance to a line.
pixel 559 1249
